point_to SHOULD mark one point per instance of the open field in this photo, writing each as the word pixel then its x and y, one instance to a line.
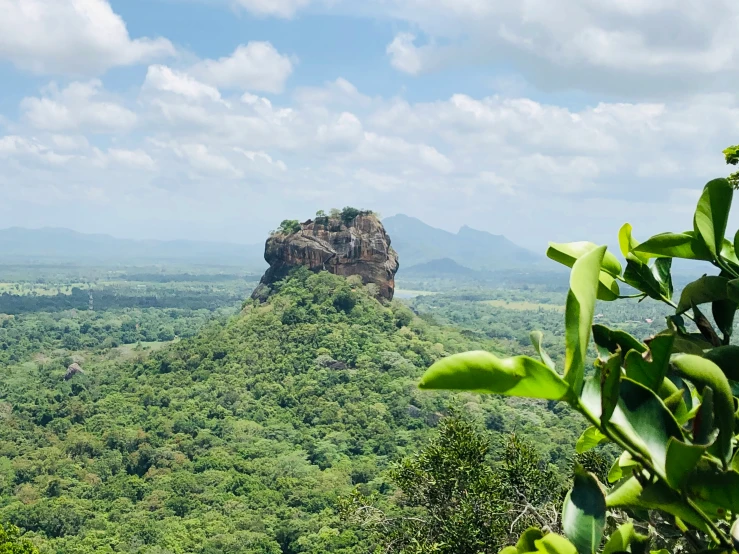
pixel 522 306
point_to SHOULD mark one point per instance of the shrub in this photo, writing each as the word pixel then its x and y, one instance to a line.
pixel 288 227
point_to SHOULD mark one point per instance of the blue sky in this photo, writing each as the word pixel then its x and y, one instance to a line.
pixel 556 119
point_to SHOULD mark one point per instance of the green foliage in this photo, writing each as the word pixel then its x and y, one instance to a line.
pixel 456 497
pixel 732 158
pixel 664 402
pixel 288 227
pixel 238 439
pixel 12 543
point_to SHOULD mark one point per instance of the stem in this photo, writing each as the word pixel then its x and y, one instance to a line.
pixel 721 264
pixel 661 297
pixel 725 543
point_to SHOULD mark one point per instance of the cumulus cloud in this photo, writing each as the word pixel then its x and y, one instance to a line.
pixel 133 159
pixel 404 55
pixel 79 106
pixel 163 78
pixel 618 46
pixel 256 66
pixel 29 149
pixel 71 37
pixel 275 8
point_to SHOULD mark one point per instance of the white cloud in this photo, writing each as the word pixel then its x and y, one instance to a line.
pixel 70 143
pixel 71 37
pixel 79 106
pixel 275 8
pixel 13 146
pixel 344 132
pixel 508 164
pixel 623 47
pixel 163 78
pixel 205 162
pixel 404 55
pixel 256 66
pixel 133 159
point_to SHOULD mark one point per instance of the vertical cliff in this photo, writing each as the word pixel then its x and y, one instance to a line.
pixel 359 246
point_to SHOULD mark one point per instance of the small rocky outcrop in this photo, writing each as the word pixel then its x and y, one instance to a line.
pixel 73 370
pixel 339 244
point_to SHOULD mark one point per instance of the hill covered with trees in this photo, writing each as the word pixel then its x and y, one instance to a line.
pixel 244 438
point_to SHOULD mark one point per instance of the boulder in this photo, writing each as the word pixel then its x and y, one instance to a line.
pixel 359 246
pixel 73 370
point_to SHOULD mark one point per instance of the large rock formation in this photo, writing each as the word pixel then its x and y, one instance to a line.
pixel 359 246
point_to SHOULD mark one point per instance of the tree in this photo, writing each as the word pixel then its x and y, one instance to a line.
pixel 666 402
pixel 12 543
pixel 289 226
pixel 454 500
pixel 348 214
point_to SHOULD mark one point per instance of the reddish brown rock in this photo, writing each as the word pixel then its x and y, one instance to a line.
pixel 358 247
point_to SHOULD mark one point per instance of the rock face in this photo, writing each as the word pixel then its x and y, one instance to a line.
pixel 73 370
pixel 357 247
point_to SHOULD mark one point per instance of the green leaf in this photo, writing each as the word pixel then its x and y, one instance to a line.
pixel 622 539
pixel 627 244
pixel 590 438
pixel 706 289
pixel 584 513
pixel 509 550
pixel 527 541
pixel 724 312
pixel 705 327
pixel 610 380
pixel 568 253
pixel 555 544
pixel 609 341
pixel 640 418
pixel 481 371
pixel 579 313
pixel 624 462
pixel 726 358
pixel 675 245
pixel 650 368
pixel 662 270
pixel 715 491
pixel 640 276
pixel 704 373
pixel 682 459
pixel 703 427
pixel 728 253
pixel 732 290
pixel 656 496
pixel 712 214
pixel 537 338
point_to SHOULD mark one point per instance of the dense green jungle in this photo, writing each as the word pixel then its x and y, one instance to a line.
pixel 202 422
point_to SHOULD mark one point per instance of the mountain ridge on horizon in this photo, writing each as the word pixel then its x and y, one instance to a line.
pixel 416 242
pixel 419 243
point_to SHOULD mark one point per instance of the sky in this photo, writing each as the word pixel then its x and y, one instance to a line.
pixel 216 119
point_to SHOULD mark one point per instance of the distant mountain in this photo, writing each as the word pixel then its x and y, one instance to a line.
pixel 419 243
pixel 66 246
